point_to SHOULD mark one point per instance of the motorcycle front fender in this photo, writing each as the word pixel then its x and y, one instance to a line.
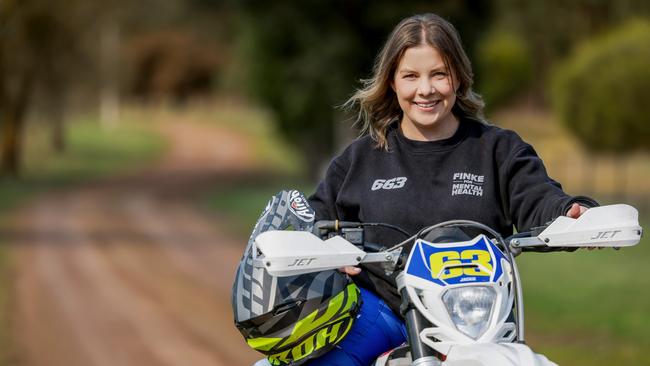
pixel 503 354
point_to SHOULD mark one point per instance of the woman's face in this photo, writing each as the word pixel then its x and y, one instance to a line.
pixel 425 94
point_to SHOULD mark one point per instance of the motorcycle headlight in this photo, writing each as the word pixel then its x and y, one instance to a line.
pixel 470 308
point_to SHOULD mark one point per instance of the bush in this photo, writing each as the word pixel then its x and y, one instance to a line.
pixel 600 93
pixel 504 67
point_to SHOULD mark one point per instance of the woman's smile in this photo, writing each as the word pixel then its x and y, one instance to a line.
pixel 427 106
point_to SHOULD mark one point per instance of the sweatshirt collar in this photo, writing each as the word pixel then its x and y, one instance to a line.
pixel 423 147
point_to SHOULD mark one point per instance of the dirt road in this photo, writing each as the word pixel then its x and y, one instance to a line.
pixel 127 271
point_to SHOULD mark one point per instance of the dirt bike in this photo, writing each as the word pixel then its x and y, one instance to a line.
pixel 462 299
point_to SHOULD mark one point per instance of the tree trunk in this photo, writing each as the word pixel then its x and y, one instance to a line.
pixel 9 163
pixel 12 114
pixel 11 143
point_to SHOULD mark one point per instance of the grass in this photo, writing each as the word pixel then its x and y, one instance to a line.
pixel 242 204
pixel 92 152
pixel 586 307
pixel 589 307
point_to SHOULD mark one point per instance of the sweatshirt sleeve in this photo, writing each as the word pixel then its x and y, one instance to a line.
pixel 534 198
pixel 323 201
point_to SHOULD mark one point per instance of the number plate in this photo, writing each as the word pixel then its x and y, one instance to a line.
pixel 478 260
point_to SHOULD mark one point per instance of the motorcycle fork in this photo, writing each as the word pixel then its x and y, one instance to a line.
pixel 421 354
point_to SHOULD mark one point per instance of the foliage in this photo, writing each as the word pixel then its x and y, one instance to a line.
pixel 172 65
pixel 39 51
pixel 56 53
pixel 552 28
pixel 600 92
pixel 504 67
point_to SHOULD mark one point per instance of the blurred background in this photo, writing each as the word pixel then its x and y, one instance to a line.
pixel 140 140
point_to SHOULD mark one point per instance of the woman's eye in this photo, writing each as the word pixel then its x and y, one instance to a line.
pixel 409 76
pixel 440 74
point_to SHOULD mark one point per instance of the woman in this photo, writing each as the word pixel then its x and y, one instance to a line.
pixel 427 156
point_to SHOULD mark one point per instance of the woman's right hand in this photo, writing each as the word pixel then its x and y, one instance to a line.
pixel 351 271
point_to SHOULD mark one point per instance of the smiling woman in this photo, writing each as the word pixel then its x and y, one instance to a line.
pixel 428 157
pixel 425 125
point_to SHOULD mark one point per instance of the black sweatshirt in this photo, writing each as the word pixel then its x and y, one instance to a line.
pixel 481 173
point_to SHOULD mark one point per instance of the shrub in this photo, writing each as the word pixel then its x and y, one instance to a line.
pixel 504 67
pixel 600 92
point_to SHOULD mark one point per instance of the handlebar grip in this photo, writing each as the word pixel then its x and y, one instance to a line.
pixel 373 247
pixel 335 224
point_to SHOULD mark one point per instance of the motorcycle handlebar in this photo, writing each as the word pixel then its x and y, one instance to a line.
pixel 335 225
pixel 323 228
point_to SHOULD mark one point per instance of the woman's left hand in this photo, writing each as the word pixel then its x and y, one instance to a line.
pixel 576 211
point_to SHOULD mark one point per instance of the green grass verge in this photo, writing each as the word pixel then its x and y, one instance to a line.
pixel 589 307
pixel 92 153
pixel 242 204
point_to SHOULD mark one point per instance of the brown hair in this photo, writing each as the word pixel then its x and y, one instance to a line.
pixel 378 106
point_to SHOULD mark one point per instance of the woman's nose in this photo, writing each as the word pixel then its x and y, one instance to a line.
pixel 425 86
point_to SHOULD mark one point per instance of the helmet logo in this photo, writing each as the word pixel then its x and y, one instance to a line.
pixel 329 335
pixel 299 206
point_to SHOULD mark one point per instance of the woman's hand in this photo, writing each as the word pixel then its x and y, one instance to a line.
pixel 351 271
pixel 576 211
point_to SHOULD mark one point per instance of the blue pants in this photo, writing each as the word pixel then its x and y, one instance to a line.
pixel 376 330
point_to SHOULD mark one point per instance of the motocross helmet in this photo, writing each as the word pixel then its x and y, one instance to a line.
pixel 296 318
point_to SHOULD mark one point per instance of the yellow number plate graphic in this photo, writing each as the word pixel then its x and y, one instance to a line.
pixel 452 262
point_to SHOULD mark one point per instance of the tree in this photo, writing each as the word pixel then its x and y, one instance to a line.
pixel 553 28
pixel 16 79
pixel 37 53
pixel 600 91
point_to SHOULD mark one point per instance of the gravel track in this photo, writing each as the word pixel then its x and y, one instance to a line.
pixel 127 271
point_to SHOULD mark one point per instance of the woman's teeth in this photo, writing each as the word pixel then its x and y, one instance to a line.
pixel 427 105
